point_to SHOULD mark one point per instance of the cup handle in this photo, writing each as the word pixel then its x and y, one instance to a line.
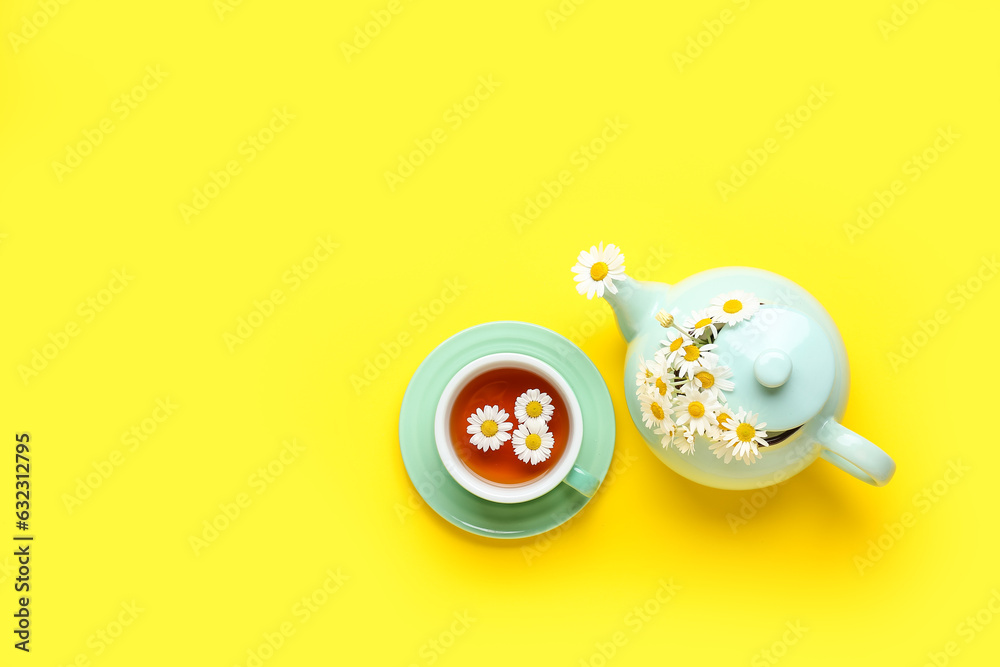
pixel 582 481
pixel 855 455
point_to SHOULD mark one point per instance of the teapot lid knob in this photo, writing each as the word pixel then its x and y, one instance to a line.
pixel 772 368
pixel 783 364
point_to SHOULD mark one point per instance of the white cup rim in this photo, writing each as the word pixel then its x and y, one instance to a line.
pixel 473 483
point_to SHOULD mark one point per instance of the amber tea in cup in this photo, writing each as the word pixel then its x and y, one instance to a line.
pixel 501 387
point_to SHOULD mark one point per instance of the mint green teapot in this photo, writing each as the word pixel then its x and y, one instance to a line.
pixel 736 377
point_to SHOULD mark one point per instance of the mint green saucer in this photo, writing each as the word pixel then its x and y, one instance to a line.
pixel 416 429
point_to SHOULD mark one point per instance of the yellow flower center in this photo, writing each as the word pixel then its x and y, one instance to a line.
pixel 661 387
pixel 745 432
pixel 696 409
pixel 704 322
pixel 649 373
pixel 599 270
pixel 656 410
pixel 676 344
pixel 732 306
pixel 533 409
pixel 533 441
pixel 691 353
pixel 706 379
pixel 722 419
pixel 489 428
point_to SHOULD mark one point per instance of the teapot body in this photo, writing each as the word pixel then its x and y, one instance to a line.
pixel 635 306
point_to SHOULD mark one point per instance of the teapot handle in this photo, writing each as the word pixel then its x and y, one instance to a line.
pixel 855 455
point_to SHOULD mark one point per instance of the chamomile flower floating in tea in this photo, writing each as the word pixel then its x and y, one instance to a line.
pixel 533 407
pixel 734 307
pixel 701 323
pixel 532 444
pixel 597 270
pixel 488 427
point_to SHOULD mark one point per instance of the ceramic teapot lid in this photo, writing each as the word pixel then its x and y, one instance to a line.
pixel 783 366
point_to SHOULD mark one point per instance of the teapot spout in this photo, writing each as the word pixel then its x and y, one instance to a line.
pixel 636 304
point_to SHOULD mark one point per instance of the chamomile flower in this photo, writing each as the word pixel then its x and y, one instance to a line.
pixel 647 373
pixel 744 435
pixel 684 440
pixel 665 319
pixel 672 347
pixel 697 410
pixel 597 270
pixel 719 428
pixel 664 384
pixel 721 448
pixel 692 357
pixel 734 307
pixel 534 407
pixel 488 428
pixel 668 431
pixel 533 444
pixel 677 436
pixel 655 410
pixel 700 323
pixel 713 378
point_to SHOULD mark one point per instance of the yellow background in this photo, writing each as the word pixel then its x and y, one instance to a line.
pixel 345 502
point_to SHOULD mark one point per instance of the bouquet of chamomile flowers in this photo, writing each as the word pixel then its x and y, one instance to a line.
pixel 682 389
